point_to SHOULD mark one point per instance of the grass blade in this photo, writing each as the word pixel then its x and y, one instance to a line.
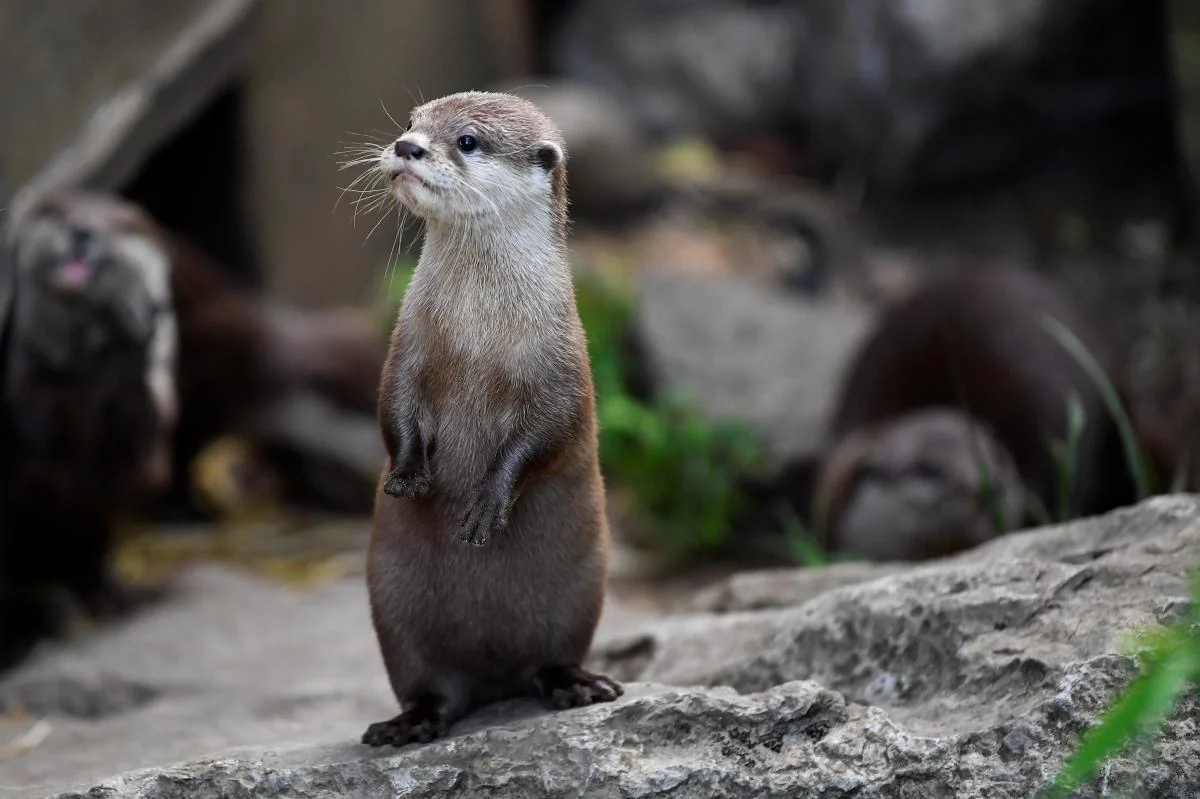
pixel 1133 453
pixel 1141 709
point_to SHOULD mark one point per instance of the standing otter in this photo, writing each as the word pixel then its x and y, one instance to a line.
pixel 975 341
pixel 488 556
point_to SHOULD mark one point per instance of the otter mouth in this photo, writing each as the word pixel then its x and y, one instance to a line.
pixel 404 176
pixel 73 274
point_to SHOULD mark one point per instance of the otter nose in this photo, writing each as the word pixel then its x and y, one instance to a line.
pixel 406 149
pixel 81 241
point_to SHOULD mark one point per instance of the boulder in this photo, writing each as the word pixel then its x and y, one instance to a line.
pixel 970 676
pixel 751 352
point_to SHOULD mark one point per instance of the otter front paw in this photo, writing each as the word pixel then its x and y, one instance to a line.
pixel 413 485
pixel 487 514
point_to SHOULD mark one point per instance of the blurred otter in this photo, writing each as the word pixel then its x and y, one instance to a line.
pixel 89 393
pixel 975 341
pixel 128 353
pixel 299 385
pixel 920 485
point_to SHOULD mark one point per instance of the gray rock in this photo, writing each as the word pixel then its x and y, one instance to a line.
pixel 778 588
pixel 966 677
pixel 742 351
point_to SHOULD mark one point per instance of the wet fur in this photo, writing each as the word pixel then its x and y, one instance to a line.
pixel 974 341
pixel 487 562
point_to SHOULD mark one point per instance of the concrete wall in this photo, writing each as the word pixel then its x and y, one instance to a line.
pixel 318 72
pixel 53 74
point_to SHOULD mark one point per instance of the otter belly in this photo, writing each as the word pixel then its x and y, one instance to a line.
pixel 480 621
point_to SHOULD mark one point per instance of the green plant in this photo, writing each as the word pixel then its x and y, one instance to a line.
pixel 680 468
pixel 1138 467
pixel 1170 665
pixel 1169 657
pixel 804 545
pixel 1066 460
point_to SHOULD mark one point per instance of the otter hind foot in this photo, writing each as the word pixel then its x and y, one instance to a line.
pixel 413 485
pixel 421 723
pixel 562 687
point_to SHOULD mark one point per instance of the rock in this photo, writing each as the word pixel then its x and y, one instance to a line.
pixel 965 677
pixel 902 92
pixel 743 351
pixel 779 588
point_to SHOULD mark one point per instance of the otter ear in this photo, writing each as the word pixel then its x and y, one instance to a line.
pixel 548 155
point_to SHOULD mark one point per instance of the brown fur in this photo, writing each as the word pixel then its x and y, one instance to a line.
pixel 487 561
pixel 973 340
pixel 89 441
pixel 239 356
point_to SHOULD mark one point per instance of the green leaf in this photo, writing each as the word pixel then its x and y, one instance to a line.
pixel 1141 708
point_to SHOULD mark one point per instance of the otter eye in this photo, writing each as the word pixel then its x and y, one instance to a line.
pixel 467 143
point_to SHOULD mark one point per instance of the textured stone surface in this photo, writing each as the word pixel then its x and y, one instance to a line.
pixel 966 677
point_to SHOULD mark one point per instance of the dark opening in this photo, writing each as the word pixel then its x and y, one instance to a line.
pixel 196 185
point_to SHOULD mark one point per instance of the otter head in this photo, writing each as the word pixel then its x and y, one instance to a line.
pixel 95 255
pixel 478 158
pixel 925 484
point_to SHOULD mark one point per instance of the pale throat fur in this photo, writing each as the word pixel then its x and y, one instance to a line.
pixel 493 272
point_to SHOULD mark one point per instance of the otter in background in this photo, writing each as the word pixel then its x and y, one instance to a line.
pixel 974 341
pixel 248 366
pixel 918 486
pixel 280 377
pixel 89 394
pixel 128 353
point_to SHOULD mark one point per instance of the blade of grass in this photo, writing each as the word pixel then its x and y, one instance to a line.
pixel 1140 709
pixel 1133 453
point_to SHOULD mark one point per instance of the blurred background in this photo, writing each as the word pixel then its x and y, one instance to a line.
pixel 752 184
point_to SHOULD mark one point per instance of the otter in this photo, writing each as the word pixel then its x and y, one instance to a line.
pixel 920 485
pixel 104 294
pixel 487 561
pixel 90 392
pixel 975 340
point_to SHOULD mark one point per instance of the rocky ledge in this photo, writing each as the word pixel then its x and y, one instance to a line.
pixel 966 677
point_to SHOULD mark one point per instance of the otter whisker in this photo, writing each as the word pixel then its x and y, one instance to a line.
pixel 394 251
pixel 524 149
pixel 375 205
pixel 484 197
pixel 367 175
pixel 389 115
pixel 373 229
